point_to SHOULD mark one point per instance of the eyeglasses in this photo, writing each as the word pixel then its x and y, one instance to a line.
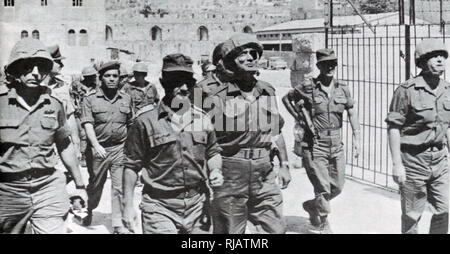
pixel 26 67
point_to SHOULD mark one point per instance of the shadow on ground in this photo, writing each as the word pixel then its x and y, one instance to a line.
pixel 297 224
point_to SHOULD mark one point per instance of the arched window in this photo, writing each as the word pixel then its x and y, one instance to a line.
pixel 247 30
pixel 71 38
pixel 108 33
pixel 84 40
pixel 35 34
pixel 156 33
pixel 202 33
pixel 24 34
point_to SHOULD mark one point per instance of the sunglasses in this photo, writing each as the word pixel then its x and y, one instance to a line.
pixel 249 52
pixel 26 67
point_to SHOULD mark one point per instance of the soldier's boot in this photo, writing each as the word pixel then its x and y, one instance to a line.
pixel 121 231
pixel 314 218
pixel 88 219
pixel 325 226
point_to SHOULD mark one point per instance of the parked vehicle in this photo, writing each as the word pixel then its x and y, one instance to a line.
pixel 276 63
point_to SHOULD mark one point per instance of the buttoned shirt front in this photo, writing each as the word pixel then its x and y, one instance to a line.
pixel 421 114
pixel 246 122
pixel 28 133
pixel 110 117
pixel 173 152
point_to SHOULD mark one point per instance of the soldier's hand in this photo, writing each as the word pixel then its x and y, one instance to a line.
pixel 100 151
pixel 356 147
pixel 398 173
pixel 216 178
pixel 81 193
pixel 284 176
pixel 129 218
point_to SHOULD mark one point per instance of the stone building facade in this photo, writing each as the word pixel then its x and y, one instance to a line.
pixel 148 29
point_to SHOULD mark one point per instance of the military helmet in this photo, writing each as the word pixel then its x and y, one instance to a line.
pixel 427 47
pixel 232 47
pixel 89 71
pixel 27 49
pixel 217 54
pixel 140 67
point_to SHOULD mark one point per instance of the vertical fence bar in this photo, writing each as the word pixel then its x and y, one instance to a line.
pixel 407 51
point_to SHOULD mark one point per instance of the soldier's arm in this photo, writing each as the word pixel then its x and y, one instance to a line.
pixel 135 150
pixel 214 159
pixel 74 133
pixel 354 121
pixel 396 119
pixel 66 150
pixel 287 102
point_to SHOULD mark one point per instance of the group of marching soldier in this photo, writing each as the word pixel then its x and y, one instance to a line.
pixel 204 152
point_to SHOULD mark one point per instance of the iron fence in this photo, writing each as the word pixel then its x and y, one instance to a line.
pixel 373 64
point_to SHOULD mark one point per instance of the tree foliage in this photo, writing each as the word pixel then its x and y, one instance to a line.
pixel 377 6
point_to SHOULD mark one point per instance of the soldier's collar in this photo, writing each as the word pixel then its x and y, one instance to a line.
pixel 45 96
pixel 420 82
pixel 234 89
pixel 164 111
pixel 100 93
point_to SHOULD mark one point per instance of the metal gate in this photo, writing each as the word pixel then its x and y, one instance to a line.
pixel 373 64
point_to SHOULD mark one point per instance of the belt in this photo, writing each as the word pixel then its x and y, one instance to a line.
pixel 26 175
pixel 187 192
pixel 421 148
pixel 252 153
pixel 328 133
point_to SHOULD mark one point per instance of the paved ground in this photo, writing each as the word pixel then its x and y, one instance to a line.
pixel 360 209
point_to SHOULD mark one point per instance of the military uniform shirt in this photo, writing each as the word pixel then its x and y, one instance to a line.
pixel 423 115
pixel 172 158
pixel 61 90
pixel 241 123
pixel 326 111
pixel 27 137
pixel 141 96
pixel 110 118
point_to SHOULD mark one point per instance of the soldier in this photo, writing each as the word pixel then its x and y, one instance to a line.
pixel 142 92
pixel 106 114
pixel 80 89
pixel 31 122
pixel 325 100
pixel 173 141
pixel 61 89
pixel 246 123
pixel 124 77
pixel 418 127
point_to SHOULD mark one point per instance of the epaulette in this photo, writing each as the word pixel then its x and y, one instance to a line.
pixel 144 109
pixel 3 89
pixel 408 83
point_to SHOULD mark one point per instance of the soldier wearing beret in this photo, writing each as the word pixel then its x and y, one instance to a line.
pixel 176 145
pixel 142 92
pixel 325 100
pixel 418 127
pixel 32 122
pixel 247 122
pixel 106 115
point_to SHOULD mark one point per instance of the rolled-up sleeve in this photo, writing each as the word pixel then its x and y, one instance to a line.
pixel 63 132
pixel 398 108
pixel 212 147
pixel 350 101
pixel 86 111
pixel 135 146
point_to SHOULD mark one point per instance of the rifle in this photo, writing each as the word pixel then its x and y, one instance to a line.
pixel 300 108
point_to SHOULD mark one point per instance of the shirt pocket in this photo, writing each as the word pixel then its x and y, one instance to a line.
pixel 340 104
pixel 124 113
pixel 9 130
pixel 100 114
pixel 163 148
pixel 49 126
pixel 199 141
